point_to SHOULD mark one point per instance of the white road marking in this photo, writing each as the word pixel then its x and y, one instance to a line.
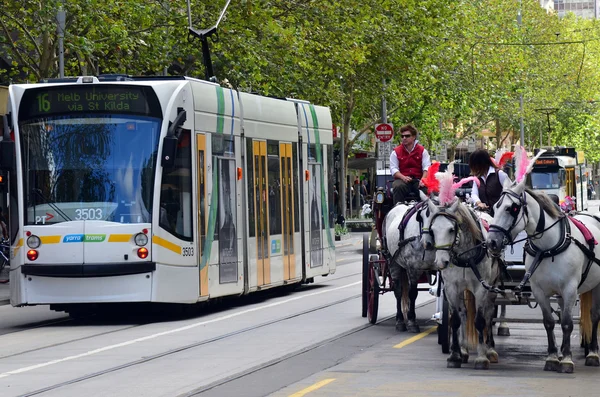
pixel 153 336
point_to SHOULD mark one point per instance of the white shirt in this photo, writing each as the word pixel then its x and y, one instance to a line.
pixel 475 191
pixel 394 164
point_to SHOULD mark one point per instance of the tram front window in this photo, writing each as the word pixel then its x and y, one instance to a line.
pixel 89 167
pixel 545 180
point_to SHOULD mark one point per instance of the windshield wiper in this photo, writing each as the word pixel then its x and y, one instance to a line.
pixel 52 205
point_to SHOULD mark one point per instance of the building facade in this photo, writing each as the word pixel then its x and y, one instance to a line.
pixel 581 8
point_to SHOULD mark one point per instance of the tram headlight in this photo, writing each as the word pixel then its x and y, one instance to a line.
pixel 32 255
pixel 142 252
pixel 33 241
pixel 140 239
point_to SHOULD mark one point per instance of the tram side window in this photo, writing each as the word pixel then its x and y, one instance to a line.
pixel 274 188
pixel 250 179
pixel 297 198
pixel 176 192
pixel 331 185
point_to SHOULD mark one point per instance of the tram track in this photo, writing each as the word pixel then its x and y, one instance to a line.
pixel 212 340
pixel 50 323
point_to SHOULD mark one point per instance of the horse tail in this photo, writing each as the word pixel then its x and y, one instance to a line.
pixel 585 320
pixel 472 337
pixel 405 286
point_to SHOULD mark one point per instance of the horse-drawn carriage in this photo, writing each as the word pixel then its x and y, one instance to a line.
pixel 382 257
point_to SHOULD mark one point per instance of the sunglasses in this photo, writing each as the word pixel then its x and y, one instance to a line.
pixel 406 136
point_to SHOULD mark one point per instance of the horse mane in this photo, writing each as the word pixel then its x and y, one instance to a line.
pixel 466 217
pixel 546 203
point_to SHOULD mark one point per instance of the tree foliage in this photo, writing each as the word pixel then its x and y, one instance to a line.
pixel 451 68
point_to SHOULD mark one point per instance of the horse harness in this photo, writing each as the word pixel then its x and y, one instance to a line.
pixel 457 259
pixel 402 227
pixel 563 244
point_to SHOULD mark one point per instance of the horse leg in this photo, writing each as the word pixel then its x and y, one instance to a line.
pixel 491 353
pixel 566 363
pixel 413 292
pixel 481 362
pixel 592 359
pixel 400 324
pixel 455 360
pixel 503 329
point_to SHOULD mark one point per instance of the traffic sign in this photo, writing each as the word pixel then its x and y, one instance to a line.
pixel 384 149
pixel 384 132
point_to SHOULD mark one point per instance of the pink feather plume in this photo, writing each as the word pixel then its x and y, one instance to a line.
pixel 466 180
pixel 521 163
pixel 446 180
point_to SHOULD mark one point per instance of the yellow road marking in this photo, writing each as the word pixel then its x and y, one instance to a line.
pixel 314 387
pixel 415 338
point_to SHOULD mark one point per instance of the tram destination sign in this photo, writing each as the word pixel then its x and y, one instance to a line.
pixel 70 99
pixel 546 162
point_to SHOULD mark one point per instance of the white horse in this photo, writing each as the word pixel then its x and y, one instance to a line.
pixel 458 238
pixel 406 257
pixel 558 261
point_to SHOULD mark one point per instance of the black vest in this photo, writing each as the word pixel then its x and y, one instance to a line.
pixel 490 190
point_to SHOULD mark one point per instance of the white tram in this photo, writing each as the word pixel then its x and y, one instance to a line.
pixel 162 189
pixel 561 171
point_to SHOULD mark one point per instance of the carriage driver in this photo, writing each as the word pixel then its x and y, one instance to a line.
pixel 409 162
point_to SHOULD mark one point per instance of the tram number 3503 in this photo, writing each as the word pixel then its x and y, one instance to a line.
pixel 187 251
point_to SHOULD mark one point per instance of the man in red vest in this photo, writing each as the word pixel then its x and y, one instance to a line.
pixel 409 162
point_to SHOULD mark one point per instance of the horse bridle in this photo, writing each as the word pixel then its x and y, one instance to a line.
pixel 514 210
pixel 446 247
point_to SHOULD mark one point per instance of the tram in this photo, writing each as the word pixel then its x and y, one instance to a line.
pixel 561 171
pixel 163 189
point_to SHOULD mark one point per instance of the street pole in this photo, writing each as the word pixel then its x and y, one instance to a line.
pixel 519 20
pixel 60 17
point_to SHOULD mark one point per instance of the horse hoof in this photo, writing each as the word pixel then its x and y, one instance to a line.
pixel 482 363
pixel 592 360
pixel 492 355
pixel 453 364
pixel 551 365
pixel 465 358
pixel 400 327
pixel 566 367
pixel 414 328
pixel 503 331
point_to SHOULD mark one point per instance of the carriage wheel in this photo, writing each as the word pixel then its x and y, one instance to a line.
pixel 365 274
pixel 373 295
pixel 444 328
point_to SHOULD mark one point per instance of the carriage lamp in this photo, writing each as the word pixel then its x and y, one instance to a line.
pixel 142 253
pixel 140 239
pixel 379 197
pixel 32 255
pixel 33 241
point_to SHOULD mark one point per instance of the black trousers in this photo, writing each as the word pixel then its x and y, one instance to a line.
pixel 403 191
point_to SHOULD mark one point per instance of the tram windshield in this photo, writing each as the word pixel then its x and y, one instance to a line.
pixel 545 180
pixel 89 167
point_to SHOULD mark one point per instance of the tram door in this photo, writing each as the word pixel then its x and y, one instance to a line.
pixel 570 182
pixel 287 211
pixel 261 211
pixel 202 210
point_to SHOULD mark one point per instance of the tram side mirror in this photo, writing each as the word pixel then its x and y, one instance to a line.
pixel 169 149
pixel 7 147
